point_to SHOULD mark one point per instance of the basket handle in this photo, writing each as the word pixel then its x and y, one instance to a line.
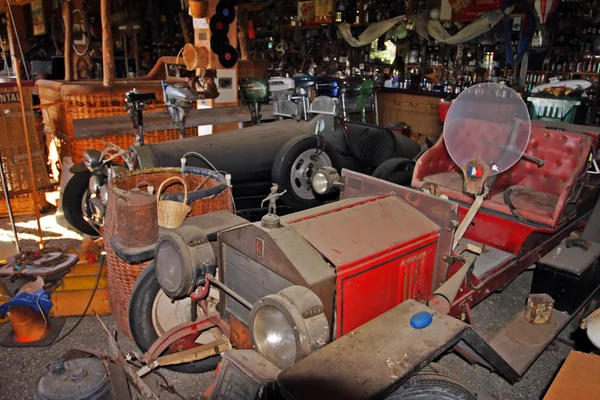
pixel 172 179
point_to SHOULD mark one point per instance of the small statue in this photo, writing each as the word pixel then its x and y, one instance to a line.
pixel 272 198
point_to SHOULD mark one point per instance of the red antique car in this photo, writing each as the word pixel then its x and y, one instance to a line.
pixel 351 300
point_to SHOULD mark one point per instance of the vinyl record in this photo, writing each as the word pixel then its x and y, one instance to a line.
pixel 226 10
pixel 218 25
pixel 219 43
pixel 229 58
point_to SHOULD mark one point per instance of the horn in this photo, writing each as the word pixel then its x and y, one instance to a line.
pixel 441 300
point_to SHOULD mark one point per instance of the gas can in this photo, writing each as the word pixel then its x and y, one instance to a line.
pixel 137 219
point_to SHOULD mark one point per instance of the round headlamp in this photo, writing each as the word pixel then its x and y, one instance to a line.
pixel 325 180
pixel 183 256
pixel 94 184
pixel 287 326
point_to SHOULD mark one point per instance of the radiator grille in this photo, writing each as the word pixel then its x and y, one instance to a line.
pixel 249 279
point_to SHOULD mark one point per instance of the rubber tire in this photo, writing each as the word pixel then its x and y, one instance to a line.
pixel 72 198
pixel 140 321
pixel 282 165
pixel 396 170
pixel 432 383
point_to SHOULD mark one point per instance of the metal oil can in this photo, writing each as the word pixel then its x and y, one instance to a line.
pixel 137 219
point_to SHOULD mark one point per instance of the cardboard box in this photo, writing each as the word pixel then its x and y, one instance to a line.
pixel 577 379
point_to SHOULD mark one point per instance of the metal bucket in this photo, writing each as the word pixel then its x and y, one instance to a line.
pixel 137 219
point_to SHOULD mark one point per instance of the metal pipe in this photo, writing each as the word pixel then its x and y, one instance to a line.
pixel 8 205
pixel 230 292
pixel 34 193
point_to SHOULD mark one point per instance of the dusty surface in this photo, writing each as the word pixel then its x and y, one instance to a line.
pixel 20 368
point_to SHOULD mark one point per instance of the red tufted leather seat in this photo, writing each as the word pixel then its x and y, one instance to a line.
pixel 538 194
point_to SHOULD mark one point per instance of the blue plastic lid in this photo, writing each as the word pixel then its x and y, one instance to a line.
pixel 421 320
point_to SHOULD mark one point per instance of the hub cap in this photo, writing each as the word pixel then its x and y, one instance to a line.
pixel 304 168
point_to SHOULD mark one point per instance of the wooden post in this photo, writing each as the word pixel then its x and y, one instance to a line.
pixel 108 56
pixel 17 67
pixel 68 21
pixel 136 53
pixel 126 54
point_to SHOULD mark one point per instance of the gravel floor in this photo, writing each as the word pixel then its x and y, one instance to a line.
pixel 20 368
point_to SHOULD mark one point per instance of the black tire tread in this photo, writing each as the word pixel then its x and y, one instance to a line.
pixel 71 200
pixel 282 163
pixel 140 321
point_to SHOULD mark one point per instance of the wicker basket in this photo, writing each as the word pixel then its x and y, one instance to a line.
pixel 172 213
pixel 89 99
pixel 122 275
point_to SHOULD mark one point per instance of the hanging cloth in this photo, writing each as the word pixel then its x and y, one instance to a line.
pixel 528 23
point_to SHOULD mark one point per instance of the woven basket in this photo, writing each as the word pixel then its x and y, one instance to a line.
pixel 195 57
pixel 89 99
pixel 172 213
pixel 122 275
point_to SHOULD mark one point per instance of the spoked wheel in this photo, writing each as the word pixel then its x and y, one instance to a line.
pixel 432 383
pixel 152 313
pixel 295 165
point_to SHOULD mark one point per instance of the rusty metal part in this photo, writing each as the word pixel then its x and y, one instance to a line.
pixel 201 352
pixel 119 356
pixel 137 219
pixel 240 335
pixel 442 212
pixel 539 308
pixel 179 332
pixel 229 292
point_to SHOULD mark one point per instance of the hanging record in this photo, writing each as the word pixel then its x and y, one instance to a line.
pixel 218 25
pixel 229 58
pixel 219 43
pixel 226 10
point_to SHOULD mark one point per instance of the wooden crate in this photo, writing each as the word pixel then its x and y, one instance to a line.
pixel 24 205
pixel 13 145
pixel 418 111
pixel 70 299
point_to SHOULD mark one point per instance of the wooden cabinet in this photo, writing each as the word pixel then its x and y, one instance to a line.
pixel 418 111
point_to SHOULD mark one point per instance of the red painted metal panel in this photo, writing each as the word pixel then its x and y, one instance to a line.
pixel 374 286
pixel 498 231
pixel 358 230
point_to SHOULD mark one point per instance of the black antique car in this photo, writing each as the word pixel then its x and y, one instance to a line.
pixel 286 152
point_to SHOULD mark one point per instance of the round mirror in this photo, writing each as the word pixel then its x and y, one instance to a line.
pixel 489 121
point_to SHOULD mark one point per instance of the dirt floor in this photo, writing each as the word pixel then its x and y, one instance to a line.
pixel 21 367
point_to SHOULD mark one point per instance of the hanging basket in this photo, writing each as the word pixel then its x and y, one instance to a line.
pixel 195 57
pixel 198 8
pixel 172 213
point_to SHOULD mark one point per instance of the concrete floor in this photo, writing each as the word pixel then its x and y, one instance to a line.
pixel 20 368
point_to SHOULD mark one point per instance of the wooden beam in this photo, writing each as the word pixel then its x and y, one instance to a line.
pixel 108 57
pixel 119 125
pixel 67 14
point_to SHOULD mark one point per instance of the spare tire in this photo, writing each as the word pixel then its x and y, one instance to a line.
pixel 432 383
pixel 396 170
pixel 143 319
pixel 296 163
